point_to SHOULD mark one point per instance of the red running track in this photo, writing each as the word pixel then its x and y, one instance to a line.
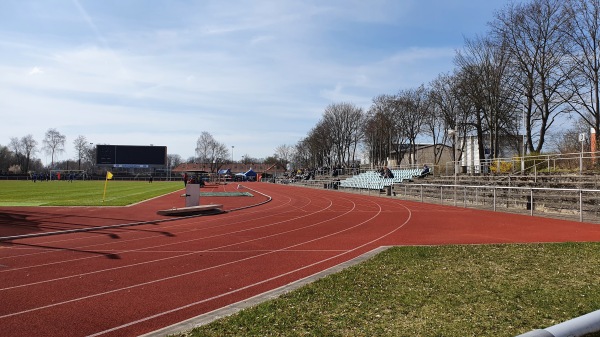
pixel 134 280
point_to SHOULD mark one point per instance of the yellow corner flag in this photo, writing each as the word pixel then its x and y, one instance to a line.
pixel 108 176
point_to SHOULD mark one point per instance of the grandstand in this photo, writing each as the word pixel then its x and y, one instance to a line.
pixel 565 186
pixel 372 180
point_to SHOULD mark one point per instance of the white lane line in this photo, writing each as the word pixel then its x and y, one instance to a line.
pixel 172 243
pixel 182 274
pixel 177 256
pixel 260 282
pixel 245 219
pixel 182 255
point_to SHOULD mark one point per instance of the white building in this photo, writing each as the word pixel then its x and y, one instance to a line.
pixel 470 162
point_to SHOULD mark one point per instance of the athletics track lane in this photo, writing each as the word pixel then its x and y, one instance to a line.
pixel 36 220
pixel 126 282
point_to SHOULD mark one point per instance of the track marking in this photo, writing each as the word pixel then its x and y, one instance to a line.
pixel 260 282
pixel 169 277
pixel 49 250
pixel 182 255
pixel 262 253
pixel 168 244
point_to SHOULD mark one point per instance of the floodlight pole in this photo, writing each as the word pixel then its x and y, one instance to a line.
pixel 582 140
pixel 452 132
pixel 232 153
pixel 523 143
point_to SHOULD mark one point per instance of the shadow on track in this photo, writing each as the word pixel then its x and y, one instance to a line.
pixel 111 256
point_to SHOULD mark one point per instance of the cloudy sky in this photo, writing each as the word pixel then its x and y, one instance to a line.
pixel 255 74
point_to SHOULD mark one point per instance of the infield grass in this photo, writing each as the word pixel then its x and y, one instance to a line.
pixel 81 193
pixel 474 290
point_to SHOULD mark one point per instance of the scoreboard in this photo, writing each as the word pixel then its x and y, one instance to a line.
pixel 131 156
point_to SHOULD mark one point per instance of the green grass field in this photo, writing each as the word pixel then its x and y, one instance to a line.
pixel 474 290
pixel 81 193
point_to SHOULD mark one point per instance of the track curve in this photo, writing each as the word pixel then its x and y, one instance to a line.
pixel 130 281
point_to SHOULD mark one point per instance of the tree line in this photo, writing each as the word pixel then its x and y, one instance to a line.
pixel 19 156
pixel 537 66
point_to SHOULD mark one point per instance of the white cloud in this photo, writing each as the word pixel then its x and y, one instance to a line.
pixel 254 74
pixel 337 94
pixel 419 54
pixel 35 71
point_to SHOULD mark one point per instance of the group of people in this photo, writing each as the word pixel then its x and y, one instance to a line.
pixel 192 179
pixel 385 173
pixel 300 174
pixel 35 177
pixel 40 176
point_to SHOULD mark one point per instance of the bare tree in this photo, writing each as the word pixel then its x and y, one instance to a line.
pixel 6 158
pixel 303 154
pixel 584 60
pixel 567 141
pixel 320 143
pixel 29 149
pixel 412 109
pixel 16 147
pixel 445 111
pixel 344 122
pixel 174 160
pixel 284 153
pixel 90 155
pixel 316 149
pixel 483 92
pixel 210 151
pixel 535 39
pixel 82 146
pixel 247 159
pixel 204 145
pixel 54 143
pixel 381 133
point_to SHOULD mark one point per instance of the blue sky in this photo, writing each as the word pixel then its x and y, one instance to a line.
pixel 255 74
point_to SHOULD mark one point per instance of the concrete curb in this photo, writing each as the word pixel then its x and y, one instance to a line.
pixel 236 307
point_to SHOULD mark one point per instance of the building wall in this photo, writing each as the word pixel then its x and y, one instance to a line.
pixel 425 154
pixel 470 162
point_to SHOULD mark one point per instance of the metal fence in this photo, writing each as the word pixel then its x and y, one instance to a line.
pixel 568 203
pixel 564 203
pixel 578 162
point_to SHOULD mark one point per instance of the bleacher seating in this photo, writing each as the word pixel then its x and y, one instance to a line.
pixel 373 181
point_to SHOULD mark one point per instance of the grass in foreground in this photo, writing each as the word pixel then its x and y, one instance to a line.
pixel 488 290
pixel 81 193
